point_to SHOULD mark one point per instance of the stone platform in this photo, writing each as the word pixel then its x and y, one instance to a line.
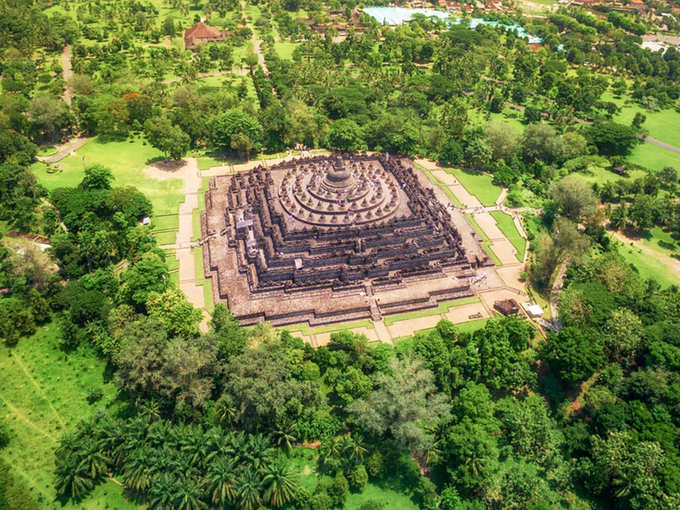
pixel 333 238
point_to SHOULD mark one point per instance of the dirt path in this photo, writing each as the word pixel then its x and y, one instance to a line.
pixel 665 145
pixel 64 150
pixel 66 66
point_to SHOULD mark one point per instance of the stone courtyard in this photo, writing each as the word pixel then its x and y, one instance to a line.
pixel 336 238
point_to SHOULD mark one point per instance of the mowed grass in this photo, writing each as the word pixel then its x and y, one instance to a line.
pixel 442 308
pixel 659 240
pixel 43 393
pixel 284 49
pixel 653 157
pixel 507 226
pixel 477 184
pixel 658 124
pixel 600 175
pixel 126 159
pixel 303 462
pixel 648 267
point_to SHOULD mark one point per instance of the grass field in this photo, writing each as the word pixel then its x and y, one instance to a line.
pixel 126 159
pixel 444 187
pixel 656 123
pixel 654 157
pixel 659 240
pixel 388 493
pixel 443 307
pixel 507 226
pixel 477 184
pixel 486 243
pixel 649 267
pixel 600 175
pixel 43 393
pixel 304 329
pixel 284 49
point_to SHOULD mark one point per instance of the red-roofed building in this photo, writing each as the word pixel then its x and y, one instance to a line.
pixel 201 34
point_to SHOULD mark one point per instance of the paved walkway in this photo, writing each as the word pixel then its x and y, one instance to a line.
pixel 64 150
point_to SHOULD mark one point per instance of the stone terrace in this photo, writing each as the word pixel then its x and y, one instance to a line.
pixel 329 239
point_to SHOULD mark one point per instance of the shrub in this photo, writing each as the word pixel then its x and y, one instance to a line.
pixel 338 490
pixel 358 478
pixel 94 395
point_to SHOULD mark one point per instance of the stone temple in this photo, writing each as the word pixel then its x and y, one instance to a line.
pixel 334 238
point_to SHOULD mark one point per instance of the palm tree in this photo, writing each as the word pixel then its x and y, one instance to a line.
pixel 93 459
pixel 71 477
pixel 222 481
pixel 188 495
pixel 280 484
pixel 331 451
pixel 137 471
pixel 284 437
pixel 162 492
pixel 194 445
pixel 249 485
pixel 258 450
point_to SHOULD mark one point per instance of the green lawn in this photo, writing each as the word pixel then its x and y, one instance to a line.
pixel 303 462
pixel 443 307
pixel 166 222
pixel 167 237
pixel 601 175
pixel 47 150
pixel 649 267
pixel 507 226
pixel 126 159
pixel 659 240
pixel 42 395
pixel 486 243
pixel 284 49
pixel 304 329
pixel 477 184
pixel 657 124
pixel 654 157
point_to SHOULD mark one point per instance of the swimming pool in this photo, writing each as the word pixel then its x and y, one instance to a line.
pixel 400 15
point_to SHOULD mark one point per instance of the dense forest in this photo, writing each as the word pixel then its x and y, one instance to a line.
pixel 221 416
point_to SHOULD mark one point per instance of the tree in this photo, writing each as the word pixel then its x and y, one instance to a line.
pixel 404 403
pixel 48 116
pixel 574 198
pixel 612 139
pixel 224 127
pixel 541 142
pixel 141 357
pixel 502 141
pixel 222 480
pixel 345 135
pixel 97 177
pixel 261 381
pixel 140 280
pixel 575 353
pixel 166 137
pixel 172 310
pixel 280 484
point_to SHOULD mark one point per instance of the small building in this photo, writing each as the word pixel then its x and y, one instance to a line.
pixel 507 307
pixel 202 34
pixel 533 310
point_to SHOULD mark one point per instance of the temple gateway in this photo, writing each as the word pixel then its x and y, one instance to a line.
pixel 334 238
